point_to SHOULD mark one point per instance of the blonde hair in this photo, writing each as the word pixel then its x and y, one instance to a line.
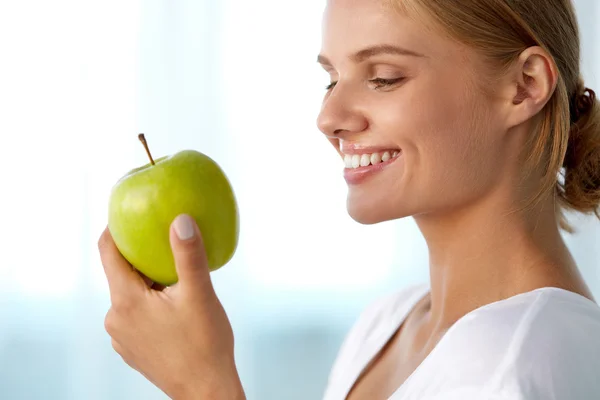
pixel 568 139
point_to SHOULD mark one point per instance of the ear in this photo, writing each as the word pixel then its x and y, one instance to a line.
pixel 533 78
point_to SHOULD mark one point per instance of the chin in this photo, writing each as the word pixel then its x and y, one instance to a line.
pixel 369 212
pixel 364 218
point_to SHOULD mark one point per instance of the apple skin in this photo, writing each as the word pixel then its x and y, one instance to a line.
pixel 145 201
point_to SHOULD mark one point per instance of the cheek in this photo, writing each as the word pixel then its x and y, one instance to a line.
pixel 451 145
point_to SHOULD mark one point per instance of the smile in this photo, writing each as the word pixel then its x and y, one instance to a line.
pixel 360 167
pixel 354 161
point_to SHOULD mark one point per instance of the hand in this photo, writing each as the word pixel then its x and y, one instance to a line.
pixel 178 337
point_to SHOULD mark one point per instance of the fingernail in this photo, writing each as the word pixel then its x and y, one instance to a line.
pixel 184 227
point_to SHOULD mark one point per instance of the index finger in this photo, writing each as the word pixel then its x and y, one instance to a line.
pixel 122 279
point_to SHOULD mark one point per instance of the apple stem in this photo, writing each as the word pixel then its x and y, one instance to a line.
pixel 143 140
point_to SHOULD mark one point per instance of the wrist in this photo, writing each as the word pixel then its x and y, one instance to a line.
pixel 201 390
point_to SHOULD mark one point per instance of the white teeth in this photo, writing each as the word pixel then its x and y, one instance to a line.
pixel 375 158
pixel 364 160
pixel 348 160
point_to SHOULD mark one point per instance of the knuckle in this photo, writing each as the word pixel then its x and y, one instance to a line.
pixel 119 313
pixel 123 353
pixel 117 347
pixel 110 325
pixel 103 240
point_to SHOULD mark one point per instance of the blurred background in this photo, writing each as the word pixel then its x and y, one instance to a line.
pixel 235 79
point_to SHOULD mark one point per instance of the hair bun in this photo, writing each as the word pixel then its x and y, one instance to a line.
pixel 582 103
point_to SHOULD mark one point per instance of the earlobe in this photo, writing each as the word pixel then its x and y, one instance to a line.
pixel 535 77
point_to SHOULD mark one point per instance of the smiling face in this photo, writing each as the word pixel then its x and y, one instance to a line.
pixel 406 112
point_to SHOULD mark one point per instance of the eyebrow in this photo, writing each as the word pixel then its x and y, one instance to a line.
pixel 372 51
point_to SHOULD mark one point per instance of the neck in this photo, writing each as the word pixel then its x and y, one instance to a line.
pixel 484 253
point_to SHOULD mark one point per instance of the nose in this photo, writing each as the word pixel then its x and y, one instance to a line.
pixel 341 114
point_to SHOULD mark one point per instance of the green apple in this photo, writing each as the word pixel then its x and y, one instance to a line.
pixel 145 201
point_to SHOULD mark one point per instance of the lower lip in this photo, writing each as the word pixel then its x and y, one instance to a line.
pixel 354 176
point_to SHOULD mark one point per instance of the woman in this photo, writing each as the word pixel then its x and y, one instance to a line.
pixel 471 117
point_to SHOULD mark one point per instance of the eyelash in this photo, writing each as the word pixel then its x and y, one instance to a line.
pixel 381 82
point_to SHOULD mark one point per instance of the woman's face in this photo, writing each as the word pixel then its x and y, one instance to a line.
pixel 403 92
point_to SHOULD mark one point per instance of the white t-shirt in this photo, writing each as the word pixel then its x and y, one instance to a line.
pixel 539 345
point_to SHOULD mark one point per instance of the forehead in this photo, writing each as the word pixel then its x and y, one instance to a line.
pixel 355 18
pixel 350 25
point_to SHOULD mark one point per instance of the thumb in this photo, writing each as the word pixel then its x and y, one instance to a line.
pixel 189 253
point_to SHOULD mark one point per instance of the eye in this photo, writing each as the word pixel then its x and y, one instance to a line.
pixel 379 83
pixel 382 82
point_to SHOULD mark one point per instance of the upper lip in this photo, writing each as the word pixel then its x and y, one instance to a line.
pixel 355 148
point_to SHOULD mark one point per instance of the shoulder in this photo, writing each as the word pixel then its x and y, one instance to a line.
pixel 557 343
pixel 539 324
pixel 540 341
